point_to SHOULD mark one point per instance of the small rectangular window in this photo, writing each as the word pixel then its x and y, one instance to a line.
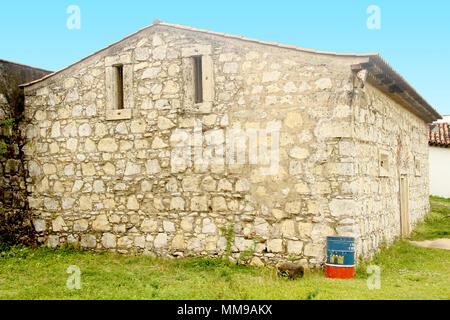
pixel 119 87
pixel 417 167
pixel 384 165
pixel 198 79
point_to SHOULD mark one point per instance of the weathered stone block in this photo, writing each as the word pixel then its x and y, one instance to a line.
pixel 80 225
pixel 288 228
pixel 187 224
pixel 58 224
pixel 219 204
pixel 152 167
pixel 293 207
pixel 133 203
pixel 39 225
pixel 294 247
pixel 340 207
pixel 313 250
pixel 323 84
pixel 178 242
pixel 177 203
pixel 160 241
pixel 168 226
pixel 149 225
pixel 109 240
pixel 132 169
pixel 88 241
pixel 275 245
pixel 88 169
pixel 199 203
pixel 101 223
pixel 190 184
pixel 209 226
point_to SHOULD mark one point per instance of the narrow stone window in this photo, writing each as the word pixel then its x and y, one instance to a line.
pixel 384 165
pixel 118 70
pixel 198 79
pixel 119 88
pixel 417 167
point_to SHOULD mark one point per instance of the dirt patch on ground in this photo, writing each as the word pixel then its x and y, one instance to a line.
pixel 437 243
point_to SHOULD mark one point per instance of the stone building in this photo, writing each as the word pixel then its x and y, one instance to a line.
pixel 15 218
pixel 439 141
pixel 117 139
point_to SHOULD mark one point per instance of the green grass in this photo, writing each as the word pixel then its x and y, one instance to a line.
pixel 407 272
pixel 436 223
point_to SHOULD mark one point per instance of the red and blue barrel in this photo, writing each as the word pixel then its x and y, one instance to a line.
pixel 340 257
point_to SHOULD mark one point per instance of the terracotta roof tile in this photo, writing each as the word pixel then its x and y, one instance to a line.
pixel 439 134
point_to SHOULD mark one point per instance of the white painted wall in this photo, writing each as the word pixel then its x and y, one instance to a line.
pixel 440 171
pixel 445 119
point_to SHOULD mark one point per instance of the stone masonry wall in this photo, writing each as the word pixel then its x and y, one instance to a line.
pixel 382 126
pixel 103 178
pixel 15 218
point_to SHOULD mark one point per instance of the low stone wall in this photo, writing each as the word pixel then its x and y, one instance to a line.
pixel 15 216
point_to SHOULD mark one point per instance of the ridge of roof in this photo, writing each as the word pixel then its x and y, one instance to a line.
pixel 225 35
pixel 373 57
pixel 271 43
pixel 24 65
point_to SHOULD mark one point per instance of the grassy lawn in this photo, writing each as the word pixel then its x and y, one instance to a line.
pixel 407 272
pixel 437 222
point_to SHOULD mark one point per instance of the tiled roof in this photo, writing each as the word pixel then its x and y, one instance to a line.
pixel 439 134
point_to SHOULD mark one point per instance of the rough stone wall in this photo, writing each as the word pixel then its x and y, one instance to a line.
pixel 103 178
pixel 383 126
pixel 15 222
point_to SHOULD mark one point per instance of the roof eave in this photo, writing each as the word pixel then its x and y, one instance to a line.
pixel 385 78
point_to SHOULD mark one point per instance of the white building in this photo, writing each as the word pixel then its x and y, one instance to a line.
pixel 439 141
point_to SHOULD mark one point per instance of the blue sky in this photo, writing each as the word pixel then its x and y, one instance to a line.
pixel 414 36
